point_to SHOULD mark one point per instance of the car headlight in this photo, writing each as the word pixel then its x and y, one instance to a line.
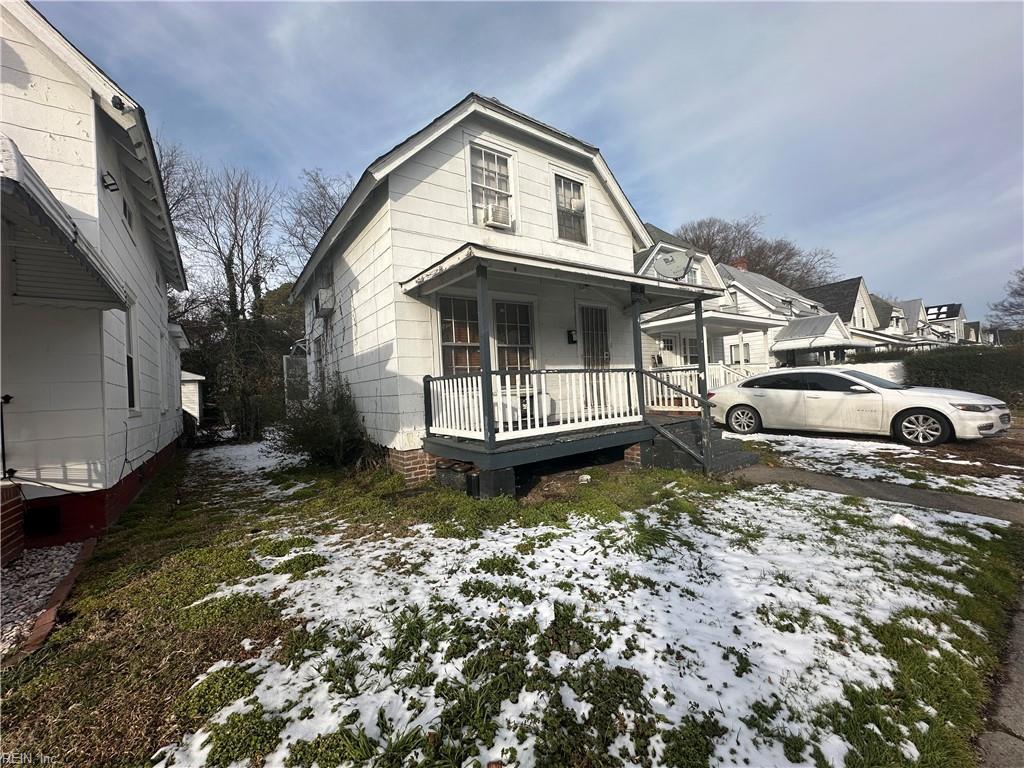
pixel 973 407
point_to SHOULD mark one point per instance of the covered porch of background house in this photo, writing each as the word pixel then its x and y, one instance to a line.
pixel 816 340
pixel 566 396
pixel 735 346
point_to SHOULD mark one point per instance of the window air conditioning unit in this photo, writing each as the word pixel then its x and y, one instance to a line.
pixel 497 216
pixel 578 205
pixel 323 302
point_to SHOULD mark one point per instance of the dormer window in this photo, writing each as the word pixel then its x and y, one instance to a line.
pixel 571 209
pixel 492 188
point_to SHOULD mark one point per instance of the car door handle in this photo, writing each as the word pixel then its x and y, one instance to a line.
pixel 759 394
pixel 814 397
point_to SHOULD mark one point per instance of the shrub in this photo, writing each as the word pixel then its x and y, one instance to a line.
pixel 327 426
pixel 995 371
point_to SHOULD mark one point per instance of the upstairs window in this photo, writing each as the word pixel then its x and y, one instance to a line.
pixel 572 214
pixel 460 336
pixel 126 212
pixel 492 185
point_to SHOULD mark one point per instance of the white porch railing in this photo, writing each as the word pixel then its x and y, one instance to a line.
pixel 527 403
pixel 659 397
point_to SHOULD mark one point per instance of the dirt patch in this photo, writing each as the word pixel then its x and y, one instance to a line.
pixel 993 450
pixel 556 480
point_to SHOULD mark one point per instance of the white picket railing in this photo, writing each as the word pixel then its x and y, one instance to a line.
pixel 528 403
pixel 547 401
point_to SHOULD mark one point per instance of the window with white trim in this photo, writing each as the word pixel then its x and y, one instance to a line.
pixel 129 355
pixel 460 335
pixel 513 335
pixel 491 180
pixel 734 354
pixel 689 354
pixel 571 210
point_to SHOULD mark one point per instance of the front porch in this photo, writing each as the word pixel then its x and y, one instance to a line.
pixel 569 389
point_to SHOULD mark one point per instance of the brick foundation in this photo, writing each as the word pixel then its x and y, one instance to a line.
pixel 416 466
pixel 12 527
pixel 631 456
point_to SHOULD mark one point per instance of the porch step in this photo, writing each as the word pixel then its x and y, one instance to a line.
pixel 726 455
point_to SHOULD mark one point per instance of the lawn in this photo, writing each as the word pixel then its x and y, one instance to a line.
pixel 993 467
pixel 303 618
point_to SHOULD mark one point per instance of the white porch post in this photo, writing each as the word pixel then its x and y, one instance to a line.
pixel 767 353
pixel 742 359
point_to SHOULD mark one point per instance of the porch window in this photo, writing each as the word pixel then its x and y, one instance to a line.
pixel 734 354
pixel 513 334
pixel 460 336
pixel 689 353
pixel 572 213
pixel 491 182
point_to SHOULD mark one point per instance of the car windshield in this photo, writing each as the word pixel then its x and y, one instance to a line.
pixel 875 380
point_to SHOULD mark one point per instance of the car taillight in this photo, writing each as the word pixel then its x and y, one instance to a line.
pixel 710 395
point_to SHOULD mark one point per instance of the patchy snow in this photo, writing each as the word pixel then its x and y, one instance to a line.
pixel 26 587
pixel 890 462
pixel 741 607
pixel 246 464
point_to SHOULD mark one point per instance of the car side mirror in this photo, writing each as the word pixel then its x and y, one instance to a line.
pixel 859 389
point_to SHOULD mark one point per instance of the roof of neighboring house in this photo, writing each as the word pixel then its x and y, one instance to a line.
pixel 943 311
pixel 912 310
pixel 805 327
pixel 883 310
pixel 377 171
pixel 839 297
pixel 130 117
pixel 189 376
pixel 769 291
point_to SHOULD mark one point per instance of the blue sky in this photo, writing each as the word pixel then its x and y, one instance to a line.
pixel 890 133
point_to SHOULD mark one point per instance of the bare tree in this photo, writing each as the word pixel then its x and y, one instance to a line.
pixel 741 243
pixel 307 210
pixel 1008 312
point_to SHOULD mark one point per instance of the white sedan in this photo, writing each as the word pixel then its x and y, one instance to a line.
pixel 845 400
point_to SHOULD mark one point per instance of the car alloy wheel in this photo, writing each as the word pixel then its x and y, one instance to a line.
pixel 743 420
pixel 921 428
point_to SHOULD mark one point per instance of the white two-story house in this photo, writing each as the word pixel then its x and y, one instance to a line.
pixel 478 291
pixel 89 361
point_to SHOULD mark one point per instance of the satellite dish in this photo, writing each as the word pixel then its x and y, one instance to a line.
pixel 673 265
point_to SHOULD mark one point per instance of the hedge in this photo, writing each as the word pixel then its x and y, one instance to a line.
pixel 994 371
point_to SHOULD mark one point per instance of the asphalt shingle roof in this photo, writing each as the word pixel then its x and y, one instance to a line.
pixel 806 327
pixel 839 297
pixel 768 290
pixel 883 310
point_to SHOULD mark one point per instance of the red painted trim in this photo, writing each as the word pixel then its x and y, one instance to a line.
pixel 87 515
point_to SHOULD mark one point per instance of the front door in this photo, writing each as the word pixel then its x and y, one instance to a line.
pixel 594 335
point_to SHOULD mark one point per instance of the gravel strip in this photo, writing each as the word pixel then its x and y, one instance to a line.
pixel 26 587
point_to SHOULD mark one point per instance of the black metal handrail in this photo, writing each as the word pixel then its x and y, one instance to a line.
pixel 700 400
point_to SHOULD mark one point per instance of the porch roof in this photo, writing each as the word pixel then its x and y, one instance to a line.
pixel 52 260
pixel 463 261
pixel 682 318
pixel 816 332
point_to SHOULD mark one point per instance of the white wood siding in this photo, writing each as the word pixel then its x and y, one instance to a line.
pixel 384 342
pixel 69 424
pixel 190 397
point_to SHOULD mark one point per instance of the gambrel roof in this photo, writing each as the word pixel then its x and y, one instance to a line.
pixel 379 170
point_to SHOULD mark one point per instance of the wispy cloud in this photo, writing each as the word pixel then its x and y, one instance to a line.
pixel 890 133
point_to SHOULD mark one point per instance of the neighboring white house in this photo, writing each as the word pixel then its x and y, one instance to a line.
pixel 486 241
pixel 924 333
pixel 192 394
pixel 88 251
pixel 744 329
pixel 949 317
